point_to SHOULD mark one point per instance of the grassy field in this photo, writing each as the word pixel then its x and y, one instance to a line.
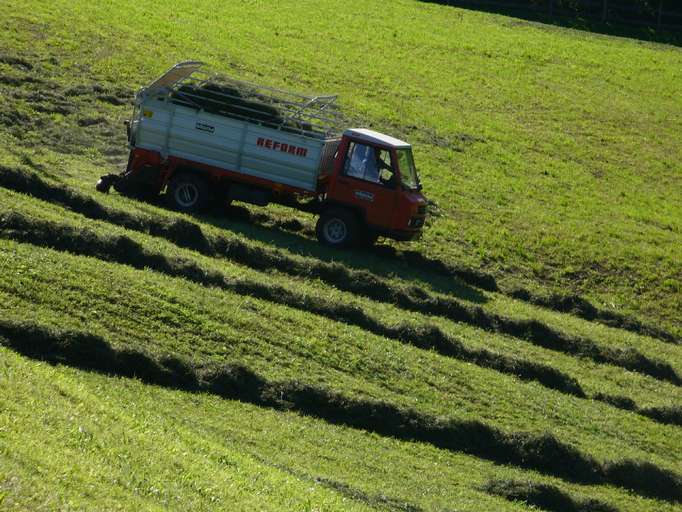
pixel 525 353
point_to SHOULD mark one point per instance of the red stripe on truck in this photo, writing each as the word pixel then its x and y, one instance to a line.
pixel 281 146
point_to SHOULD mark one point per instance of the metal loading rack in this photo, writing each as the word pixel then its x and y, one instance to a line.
pixel 310 116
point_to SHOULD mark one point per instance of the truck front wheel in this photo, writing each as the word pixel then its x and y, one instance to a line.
pixel 188 193
pixel 337 228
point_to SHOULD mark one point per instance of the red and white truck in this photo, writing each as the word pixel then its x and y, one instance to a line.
pixel 205 138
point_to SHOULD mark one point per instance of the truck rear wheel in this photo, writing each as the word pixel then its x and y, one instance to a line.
pixel 337 228
pixel 188 193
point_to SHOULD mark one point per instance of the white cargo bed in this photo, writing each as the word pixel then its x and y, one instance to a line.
pixel 282 155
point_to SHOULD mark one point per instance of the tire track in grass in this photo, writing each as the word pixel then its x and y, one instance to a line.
pixel 543 453
pixel 376 501
pixel 413 298
pixel 123 250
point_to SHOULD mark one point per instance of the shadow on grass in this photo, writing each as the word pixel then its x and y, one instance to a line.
pixel 374 501
pixel 121 249
pixel 382 260
pixel 543 453
pixel 386 260
pixel 668 415
pixel 544 496
pixel 357 273
pixel 637 30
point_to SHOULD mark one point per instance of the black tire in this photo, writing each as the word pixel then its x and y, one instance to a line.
pixel 337 228
pixel 188 193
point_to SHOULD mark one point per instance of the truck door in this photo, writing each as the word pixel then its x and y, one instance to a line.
pixel 368 180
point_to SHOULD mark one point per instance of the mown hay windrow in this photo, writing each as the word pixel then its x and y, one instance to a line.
pixel 208 93
pixel 543 453
pixel 16 62
pixel 671 415
pixel 579 306
pixel 545 496
pixel 622 402
pixel 645 478
pixel 668 415
pixel 189 235
pixel 573 304
pixel 225 101
pixel 416 260
pixel 428 337
pixel 375 501
pixel 121 249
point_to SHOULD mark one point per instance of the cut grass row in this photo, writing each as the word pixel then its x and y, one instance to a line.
pixel 541 453
pixel 211 340
pixel 190 235
pixel 612 393
pixel 293 247
pixel 644 344
pixel 160 222
pixel 415 260
pixel 64 449
pixel 544 165
pixel 107 432
pixel 545 497
pixel 125 251
pixel 429 337
pixel 666 413
pixel 575 305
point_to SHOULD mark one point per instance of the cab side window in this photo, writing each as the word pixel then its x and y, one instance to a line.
pixel 369 163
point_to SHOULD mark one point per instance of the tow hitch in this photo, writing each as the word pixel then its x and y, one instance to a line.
pixel 106 181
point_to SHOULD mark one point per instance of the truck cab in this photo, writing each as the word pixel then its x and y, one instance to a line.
pixel 373 190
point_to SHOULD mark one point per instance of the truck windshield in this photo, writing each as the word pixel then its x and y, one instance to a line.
pixel 408 173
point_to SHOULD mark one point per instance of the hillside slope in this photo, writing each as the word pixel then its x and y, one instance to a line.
pixel 526 352
pixel 553 155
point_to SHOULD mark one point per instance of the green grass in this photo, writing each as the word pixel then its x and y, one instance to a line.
pixel 118 443
pixel 280 343
pixel 575 183
pixel 553 158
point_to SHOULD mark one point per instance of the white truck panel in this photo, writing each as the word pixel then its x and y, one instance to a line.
pixel 248 148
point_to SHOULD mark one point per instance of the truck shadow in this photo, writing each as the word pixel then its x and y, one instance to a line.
pixel 384 260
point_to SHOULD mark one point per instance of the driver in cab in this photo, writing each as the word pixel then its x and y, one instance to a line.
pixel 375 167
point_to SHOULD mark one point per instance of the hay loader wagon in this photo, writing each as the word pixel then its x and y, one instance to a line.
pixel 205 138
